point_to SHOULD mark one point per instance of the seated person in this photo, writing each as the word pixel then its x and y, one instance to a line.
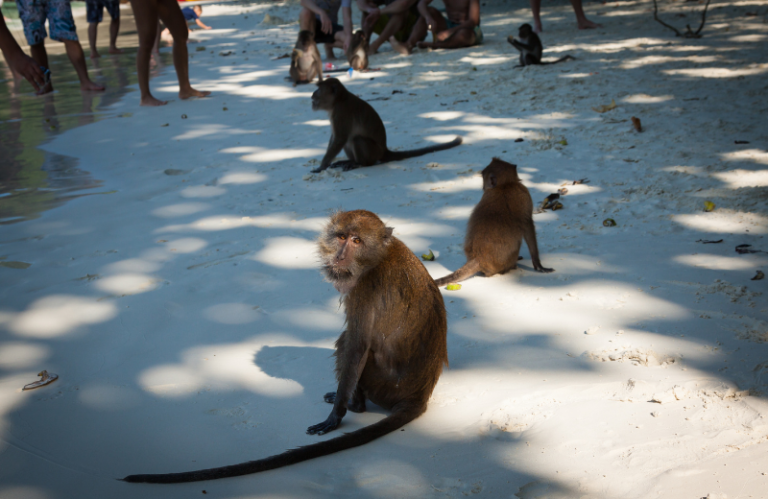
pixel 396 19
pixel 321 17
pixel 461 29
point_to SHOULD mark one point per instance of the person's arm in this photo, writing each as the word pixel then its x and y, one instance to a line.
pixel 473 19
pixel 325 20
pixel 346 14
pixel 422 7
pixel 366 6
pixel 201 24
pixel 18 60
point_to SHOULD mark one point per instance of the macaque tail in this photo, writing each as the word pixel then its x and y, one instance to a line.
pixel 469 269
pixel 562 59
pixel 347 441
pixel 397 155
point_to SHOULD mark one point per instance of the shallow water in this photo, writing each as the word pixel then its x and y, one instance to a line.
pixel 33 180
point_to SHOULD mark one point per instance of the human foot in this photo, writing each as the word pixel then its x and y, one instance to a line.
pixel 191 92
pixel 90 86
pixel 424 45
pixel 115 50
pixel 537 28
pixel 95 54
pixel 150 101
pixel 400 48
pixel 587 24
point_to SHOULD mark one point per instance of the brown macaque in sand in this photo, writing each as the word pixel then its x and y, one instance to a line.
pixel 305 59
pixel 498 225
pixel 357 53
pixel 530 47
pixel 357 128
pixel 391 353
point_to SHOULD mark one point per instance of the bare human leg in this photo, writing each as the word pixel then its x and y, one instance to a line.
pixel 145 14
pixel 581 18
pixel 396 22
pixel 40 56
pixel 114 28
pixel 77 57
pixel 170 13
pixel 93 29
pixel 536 10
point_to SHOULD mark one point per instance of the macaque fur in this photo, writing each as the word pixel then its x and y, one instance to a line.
pixel 392 350
pixel 498 225
pixel 357 52
pixel 530 47
pixel 357 128
pixel 305 60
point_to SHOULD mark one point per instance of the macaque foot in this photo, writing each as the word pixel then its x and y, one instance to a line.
pixel 330 397
pixel 543 270
pixel 329 424
pixel 353 406
pixel 345 165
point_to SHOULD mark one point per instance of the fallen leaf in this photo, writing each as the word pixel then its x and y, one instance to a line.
pixel 16 265
pixel 45 378
pixel 709 206
pixel 428 257
pixel 453 287
pixel 636 124
pixel 758 276
pixel 200 48
pixel 609 222
pixel 165 124
pixel 605 107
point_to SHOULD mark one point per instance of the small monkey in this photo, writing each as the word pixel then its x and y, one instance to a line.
pixel 498 225
pixel 357 128
pixel 357 53
pixel 305 60
pixel 530 47
pixel 391 353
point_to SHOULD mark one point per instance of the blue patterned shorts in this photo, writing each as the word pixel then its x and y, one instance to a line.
pixel 94 10
pixel 33 14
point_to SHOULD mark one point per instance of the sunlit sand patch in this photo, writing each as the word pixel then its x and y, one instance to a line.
pixel 263 155
pixel 725 223
pixel 231 222
pixel 132 265
pixel 748 38
pixel 232 313
pixel 317 123
pixel 756 69
pixel 180 209
pixel 716 262
pixel 58 315
pixel 289 253
pixel 442 115
pixel 17 355
pixel 310 318
pixel 242 178
pixel 186 245
pixel 753 155
pixel 485 60
pixel 647 99
pixel 454 212
pixel 743 178
pixel 213 130
pixel 127 284
pixel 202 191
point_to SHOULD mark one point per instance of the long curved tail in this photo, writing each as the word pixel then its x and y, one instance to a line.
pixel 469 269
pixel 398 155
pixel 347 441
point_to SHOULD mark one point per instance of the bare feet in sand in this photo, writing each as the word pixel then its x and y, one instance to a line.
pixel 115 50
pixel 95 55
pixel 191 92
pixel 400 48
pixel 150 101
pixel 587 24
pixel 90 86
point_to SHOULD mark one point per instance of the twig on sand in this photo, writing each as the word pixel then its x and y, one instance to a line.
pixel 689 33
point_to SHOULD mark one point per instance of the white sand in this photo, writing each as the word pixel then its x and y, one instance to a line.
pixel 190 327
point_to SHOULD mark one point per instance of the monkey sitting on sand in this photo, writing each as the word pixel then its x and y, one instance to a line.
pixel 357 128
pixel 391 353
pixel 498 225
pixel 530 47
pixel 305 60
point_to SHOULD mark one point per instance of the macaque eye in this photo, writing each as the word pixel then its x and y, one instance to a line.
pixel 357 240
pixel 342 237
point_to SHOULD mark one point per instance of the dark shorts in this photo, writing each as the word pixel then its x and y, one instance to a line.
pixel 477 31
pixel 321 37
pixel 33 14
pixel 94 10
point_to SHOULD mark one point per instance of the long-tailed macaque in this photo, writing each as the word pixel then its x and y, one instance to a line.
pixel 357 53
pixel 357 128
pixel 305 59
pixel 498 225
pixel 530 47
pixel 391 353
